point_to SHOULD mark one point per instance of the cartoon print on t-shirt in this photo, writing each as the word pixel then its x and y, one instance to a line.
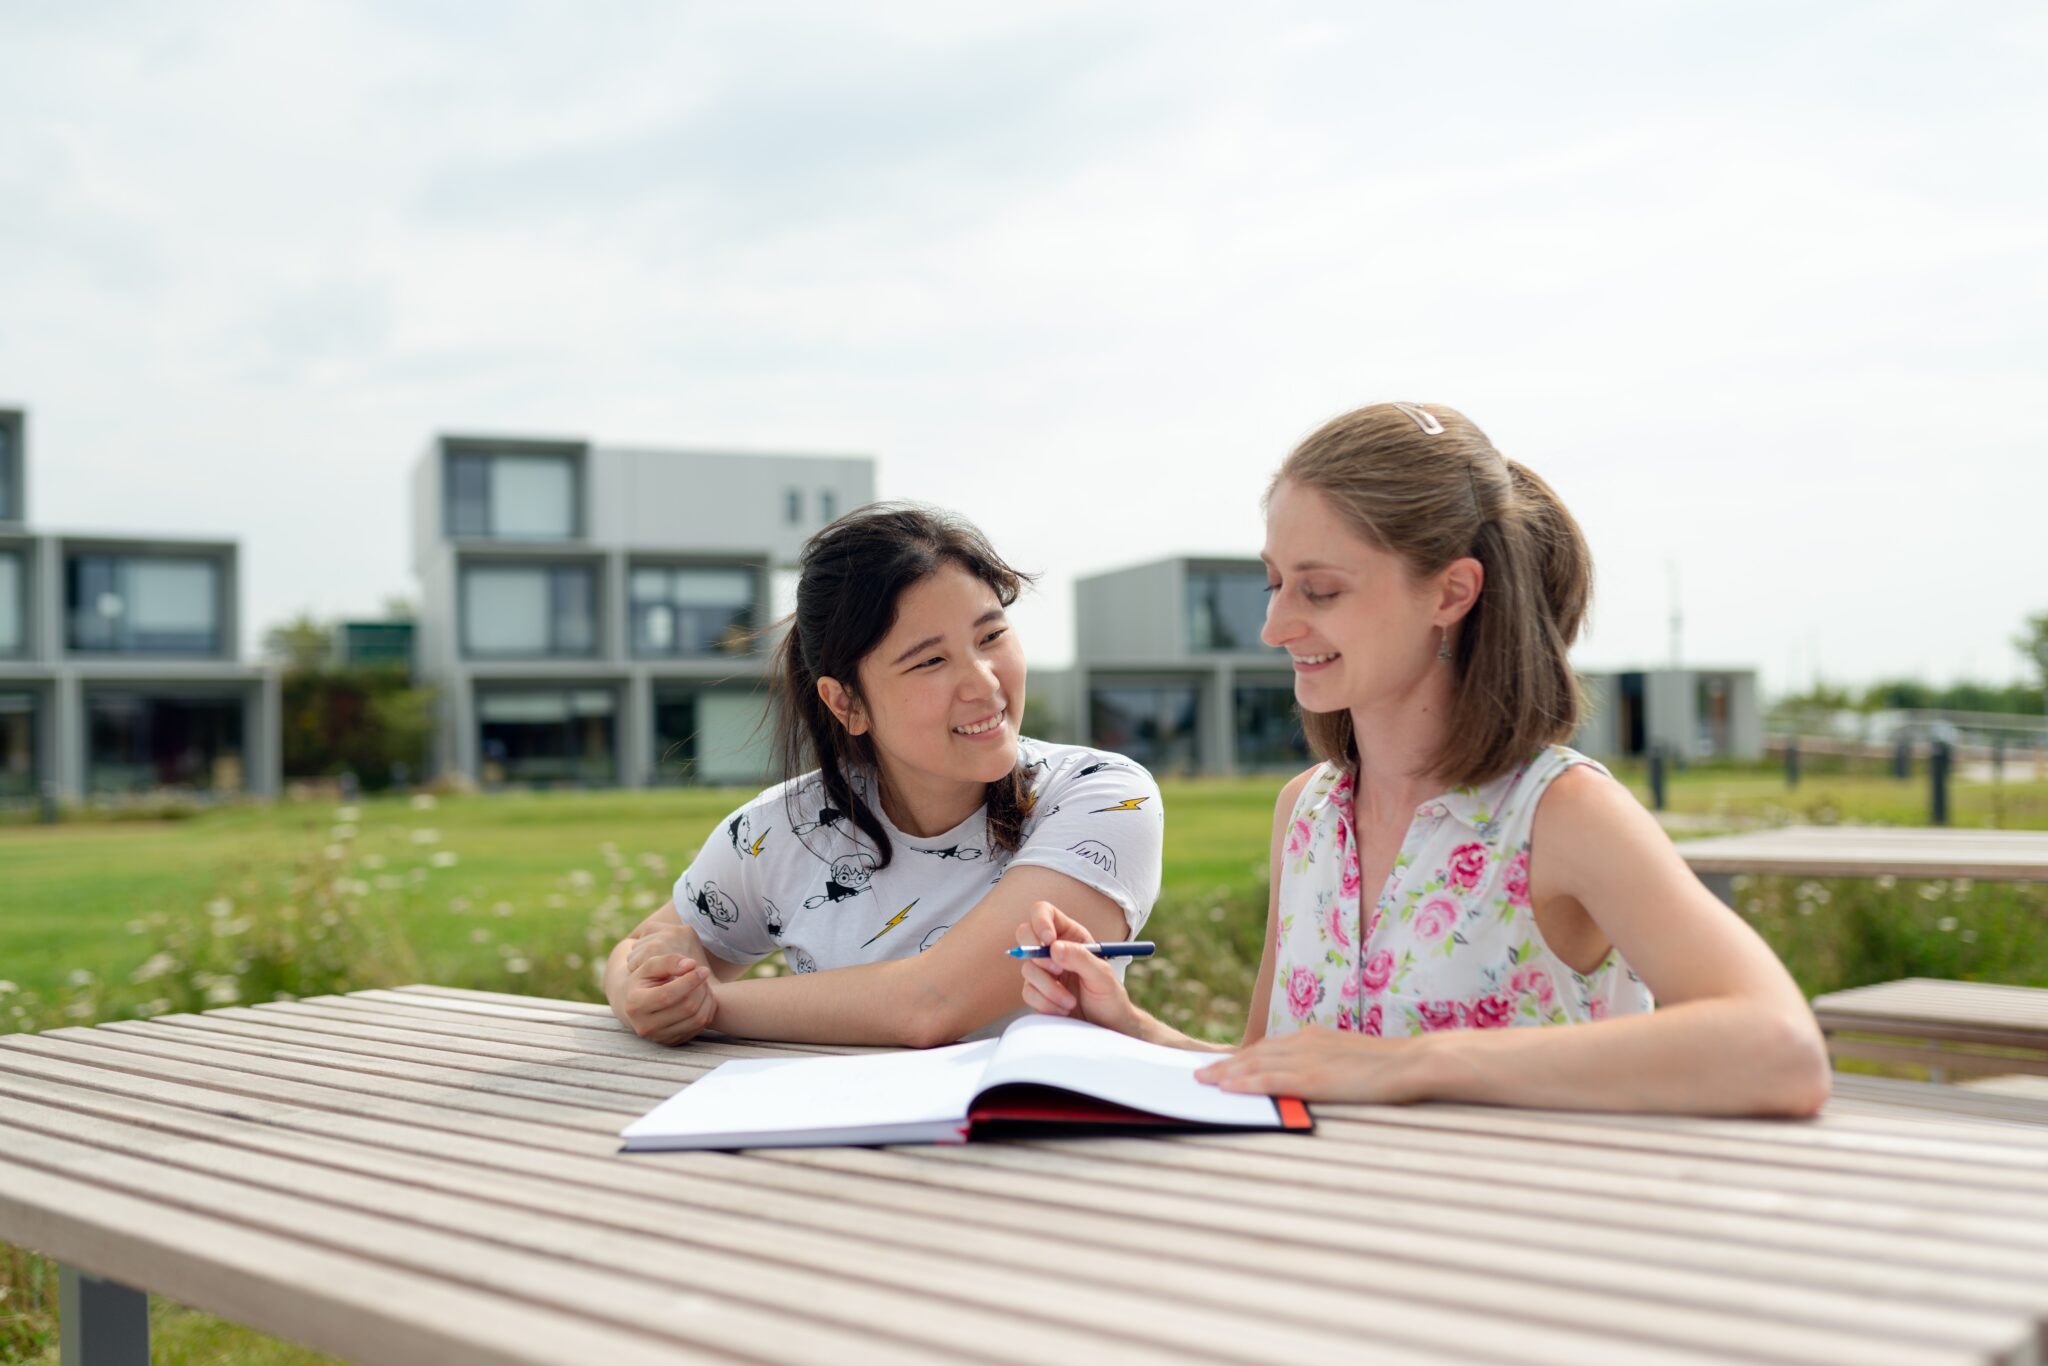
pixel 714 905
pixel 851 874
pixel 894 921
pixel 828 818
pixel 775 921
pixel 1098 767
pixel 932 938
pixel 1097 853
pixel 966 853
pixel 799 961
pixel 740 830
pixel 1127 804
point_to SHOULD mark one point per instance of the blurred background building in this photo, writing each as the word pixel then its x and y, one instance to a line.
pixel 594 616
pixel 120 668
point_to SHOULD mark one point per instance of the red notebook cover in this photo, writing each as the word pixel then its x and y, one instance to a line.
pixel 1007 1110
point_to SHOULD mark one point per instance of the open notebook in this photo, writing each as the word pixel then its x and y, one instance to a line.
pixel 1045 1074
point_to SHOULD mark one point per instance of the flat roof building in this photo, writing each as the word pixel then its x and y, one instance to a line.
pixel 593 615
pixel 1169 669
pixel 120 672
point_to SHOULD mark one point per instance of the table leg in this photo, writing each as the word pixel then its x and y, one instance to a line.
pixel 104 1323
pixel 1721 885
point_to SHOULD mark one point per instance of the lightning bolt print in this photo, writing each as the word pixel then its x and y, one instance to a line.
pixel 756 850
pixel 894 921
pixel 1127 804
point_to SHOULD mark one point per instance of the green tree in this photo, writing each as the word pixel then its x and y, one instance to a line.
pixel 301 644
pixel 2033 643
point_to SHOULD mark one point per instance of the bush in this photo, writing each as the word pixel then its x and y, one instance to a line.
pixel 370 722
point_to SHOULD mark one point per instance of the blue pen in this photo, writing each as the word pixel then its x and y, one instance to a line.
pixel 1137 949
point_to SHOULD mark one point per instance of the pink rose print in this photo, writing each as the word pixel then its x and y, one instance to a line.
pixel 1436 917
pixel 1437 1015
pixel 1467 865
pixel 1596 1010
pixel 1372 1021
pixel 1350 879
pixel 1490 1012
pixel 1532 982
pixel 1517 879
pixel 1298 837
pixel 1349 991
pixel 1334 919
pixel 1303 992
pixel 1377 971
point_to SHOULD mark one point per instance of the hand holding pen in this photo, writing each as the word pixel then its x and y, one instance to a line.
pixel 1067 973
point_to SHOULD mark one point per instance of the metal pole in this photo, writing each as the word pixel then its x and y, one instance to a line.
pixel 1792 761
pixel 1657 777
pixel 1937 775
pixel 104 1323
pixel 1902 759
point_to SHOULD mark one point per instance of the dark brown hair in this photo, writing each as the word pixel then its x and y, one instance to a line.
pixel 851 575
pixel 1432 498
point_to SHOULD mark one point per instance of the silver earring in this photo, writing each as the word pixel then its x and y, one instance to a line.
pixel 1443 645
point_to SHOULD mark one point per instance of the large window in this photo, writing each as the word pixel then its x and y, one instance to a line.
pixel 512 497
pixel 529 611
pixel 137 743
pixel 17 746
pixel 1226 609
pixel 13 602
pixel 1268 728
pixel 546 736
pixel 692 611
pixel 143 604
pixel 1153 723
pixel 8 511
pixel 710 735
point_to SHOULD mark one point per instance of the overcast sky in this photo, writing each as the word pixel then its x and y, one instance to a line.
pixel 1761 288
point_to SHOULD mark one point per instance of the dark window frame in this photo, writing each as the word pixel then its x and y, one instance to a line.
pixel 457 456
pixel 24 599
pixel 1198 579
pixel 756 606
pixel 75 558
pixel 553 570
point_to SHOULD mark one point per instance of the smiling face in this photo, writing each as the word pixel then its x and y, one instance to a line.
pixel 1362 631
pixel 942 693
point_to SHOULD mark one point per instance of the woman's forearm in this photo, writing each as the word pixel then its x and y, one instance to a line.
pixel 1725 1056
pixel 872 1003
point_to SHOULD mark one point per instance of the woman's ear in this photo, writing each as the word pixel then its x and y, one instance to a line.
pixel 844 707
pixel 1458 589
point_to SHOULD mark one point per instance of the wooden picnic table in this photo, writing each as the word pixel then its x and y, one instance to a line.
pixel 1868 851
pixel 1950 1026
pixel 433 1176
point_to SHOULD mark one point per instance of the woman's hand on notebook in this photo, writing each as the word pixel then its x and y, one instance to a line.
pixel 668 998
pixel 1073 981
pixel 1317 1063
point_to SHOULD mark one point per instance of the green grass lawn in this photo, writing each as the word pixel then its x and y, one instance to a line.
pixel 103 920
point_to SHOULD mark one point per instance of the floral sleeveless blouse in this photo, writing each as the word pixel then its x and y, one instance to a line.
pixel 1452 942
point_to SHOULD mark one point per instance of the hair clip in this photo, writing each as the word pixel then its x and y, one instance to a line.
pixel 1430 426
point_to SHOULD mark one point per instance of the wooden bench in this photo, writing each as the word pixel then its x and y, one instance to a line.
pixel 1868 851
pixel 427 1176
pixel 1970 1027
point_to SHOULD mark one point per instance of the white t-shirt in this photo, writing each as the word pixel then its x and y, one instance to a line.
pixel 787 871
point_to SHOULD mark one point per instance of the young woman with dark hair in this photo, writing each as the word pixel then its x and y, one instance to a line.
pixel 915 826
pixel 1451 867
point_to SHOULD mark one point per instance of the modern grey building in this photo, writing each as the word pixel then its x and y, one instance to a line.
pixel 1168 668
pixel 119 667
pixel 592 615
pixel 1691 713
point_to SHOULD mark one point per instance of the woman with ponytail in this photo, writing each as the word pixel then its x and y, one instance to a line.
pixel 1451 868
pixel 915 826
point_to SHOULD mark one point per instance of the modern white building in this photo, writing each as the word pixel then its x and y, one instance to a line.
pixel 1690 713
pixel 1168 668
pixel 119 667
pixel 593 615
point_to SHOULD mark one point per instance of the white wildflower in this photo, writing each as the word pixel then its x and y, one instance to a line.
pixel 342 832
pixel 1946 924
pixel 348 815
pixel 425 835
pixel 444 858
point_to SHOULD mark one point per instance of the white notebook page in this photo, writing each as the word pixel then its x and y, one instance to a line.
pixel 794 1095
pixel 1054 1051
